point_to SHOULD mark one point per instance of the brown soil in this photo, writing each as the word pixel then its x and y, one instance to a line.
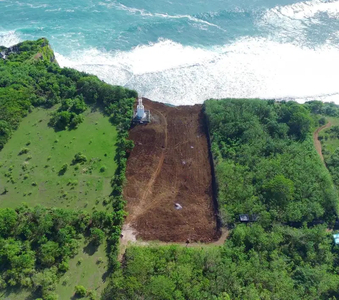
pixel 316 141
pixel 170 164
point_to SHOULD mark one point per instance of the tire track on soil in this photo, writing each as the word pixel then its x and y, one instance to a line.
pixel 142 207
pixel 316 141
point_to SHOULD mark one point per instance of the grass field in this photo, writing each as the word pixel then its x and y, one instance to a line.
pixel 35 178
pixel 86 269
pixel 329 142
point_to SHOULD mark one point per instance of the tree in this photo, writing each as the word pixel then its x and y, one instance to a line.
pixel 278 191
pixel 5 133
pixel 61 120
pixel 49 253
pixel 8 221
pixel 76 121
pixel 97 236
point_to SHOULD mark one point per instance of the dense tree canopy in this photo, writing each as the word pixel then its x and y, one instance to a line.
pixel 266 163
pixel 38 240
pixel 284 263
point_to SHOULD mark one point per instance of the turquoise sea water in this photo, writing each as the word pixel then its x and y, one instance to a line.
pixel 183 52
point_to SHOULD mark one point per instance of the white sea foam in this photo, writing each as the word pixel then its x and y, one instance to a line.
pixel 291 22
pixel 169 72
pixel 306 10
pixel 9 38
pixel 249 67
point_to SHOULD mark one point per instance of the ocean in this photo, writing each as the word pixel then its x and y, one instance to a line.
pixel 184 52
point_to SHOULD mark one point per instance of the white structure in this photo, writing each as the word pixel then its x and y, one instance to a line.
pixel 140 109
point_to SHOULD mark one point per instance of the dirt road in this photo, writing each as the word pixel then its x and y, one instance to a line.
pixel 316 141
pixel 170 164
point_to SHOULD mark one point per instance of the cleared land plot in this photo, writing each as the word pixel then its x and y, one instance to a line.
pixel 170 164
pixel 34 177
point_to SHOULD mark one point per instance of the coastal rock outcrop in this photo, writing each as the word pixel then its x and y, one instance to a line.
pixel 34 51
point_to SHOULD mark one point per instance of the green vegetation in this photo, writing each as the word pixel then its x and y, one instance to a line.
pixel 284 263
pixel 265 165
pixel 26 82
pixel 63 139
pixel 80 291
pixel 49 153
pixel 329 138
pixel 64 153
pixel 37 243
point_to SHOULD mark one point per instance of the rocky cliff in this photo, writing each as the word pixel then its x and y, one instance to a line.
pixel 29 51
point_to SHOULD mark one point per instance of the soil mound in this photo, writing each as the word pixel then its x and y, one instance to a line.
pixel 169 180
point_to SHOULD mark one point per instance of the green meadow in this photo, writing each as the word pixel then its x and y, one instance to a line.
pixel 329 140
pixel 32 163
pixel 35 178
pixel 87 268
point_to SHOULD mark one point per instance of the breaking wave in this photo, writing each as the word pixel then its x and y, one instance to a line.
pixel 9 38
pixel 169 72
pixel 286 60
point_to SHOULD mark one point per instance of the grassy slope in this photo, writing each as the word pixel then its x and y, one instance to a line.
pixel 95 137
pixel 90 273
pixel 330 144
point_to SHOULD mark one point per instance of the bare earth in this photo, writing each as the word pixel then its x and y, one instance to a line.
pixel 170 164
pixel 316 141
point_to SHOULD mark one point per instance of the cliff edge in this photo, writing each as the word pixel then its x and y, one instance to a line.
pixel 29 51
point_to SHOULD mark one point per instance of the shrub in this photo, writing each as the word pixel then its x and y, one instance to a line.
pixel 26 176
pixel 80 291
pixel 322 121
pixel 23 151
pixel 79 158
pixel 92 295
pixel 63 169
pixel 100 260
pixel 103 169
pixel 65 281
pixel 64 266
